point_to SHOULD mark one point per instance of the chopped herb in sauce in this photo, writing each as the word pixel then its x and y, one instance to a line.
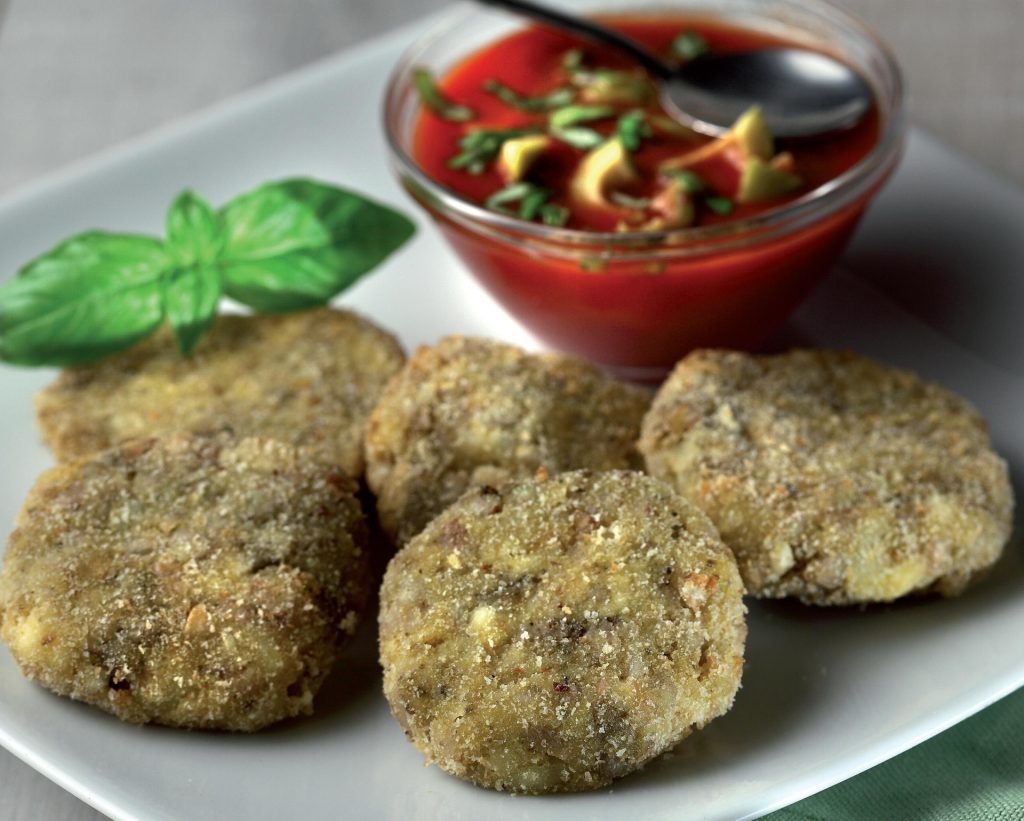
pixel 573 60
pixel 565 125
pixel 554 214
pixel 690 181
pixel 544 102
pixel 689 46
pixel 626 201
pixel 533 203
pixel 576 114
pixel 436 100
pixel 633 127
pixel 607 85
pixel 480 147
pixel 580 137
pixel 723 206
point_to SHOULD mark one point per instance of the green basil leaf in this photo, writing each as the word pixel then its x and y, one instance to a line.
pixel 92 295
pixel 434 99
pixel 195 232
pixel 295 244
pixel 190 300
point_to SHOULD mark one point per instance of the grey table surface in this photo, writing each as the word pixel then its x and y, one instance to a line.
pixel 78 76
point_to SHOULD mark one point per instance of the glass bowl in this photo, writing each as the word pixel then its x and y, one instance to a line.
pixel 636 302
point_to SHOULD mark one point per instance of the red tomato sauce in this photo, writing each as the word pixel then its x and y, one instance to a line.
pixel 531 62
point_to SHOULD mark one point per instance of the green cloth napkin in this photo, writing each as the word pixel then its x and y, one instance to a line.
pixel 972 772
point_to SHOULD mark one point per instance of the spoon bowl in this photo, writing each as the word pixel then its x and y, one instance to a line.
pixel 801 93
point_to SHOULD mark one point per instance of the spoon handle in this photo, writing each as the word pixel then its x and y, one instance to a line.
pixel 586 28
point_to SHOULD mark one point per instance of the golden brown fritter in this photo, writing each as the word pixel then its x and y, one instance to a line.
pixel 309 378
pixel 474 411
pixel 557 634
pixel 186 581
pixel 833 478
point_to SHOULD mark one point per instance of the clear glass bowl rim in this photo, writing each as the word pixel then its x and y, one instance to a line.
pixel 813 207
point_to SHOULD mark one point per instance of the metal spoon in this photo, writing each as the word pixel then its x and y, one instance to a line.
pixel 801 92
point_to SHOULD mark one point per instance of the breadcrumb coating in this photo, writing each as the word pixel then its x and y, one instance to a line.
pixel 474 411
pixel 309 378
pixel 834 479
pixel 556 634
pixel 186 581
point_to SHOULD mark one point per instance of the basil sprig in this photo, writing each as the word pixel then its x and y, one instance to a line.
pixel 283 246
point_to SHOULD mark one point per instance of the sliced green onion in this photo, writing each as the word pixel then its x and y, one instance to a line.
pixel 436 100
pixel 592 265
pixel 510 193
pixel 554 214
pixel 583 138
pixel 481 146
pixel 573 60
pixel 689 46
pixel 565 125
pixel 632 128
pixel 533 202
pixel 558 98
pixel 689 180
pixel 571 115
pixel 626 201
pixel 722 206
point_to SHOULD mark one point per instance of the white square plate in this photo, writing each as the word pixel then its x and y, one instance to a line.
pixel 932 283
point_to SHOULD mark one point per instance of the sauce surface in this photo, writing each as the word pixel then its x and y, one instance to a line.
pixel 532 62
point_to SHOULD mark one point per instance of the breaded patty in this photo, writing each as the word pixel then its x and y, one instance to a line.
pixel 557 634
pixel 309 378
pixel 474 411
pixel 833 478
pixel 186 581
